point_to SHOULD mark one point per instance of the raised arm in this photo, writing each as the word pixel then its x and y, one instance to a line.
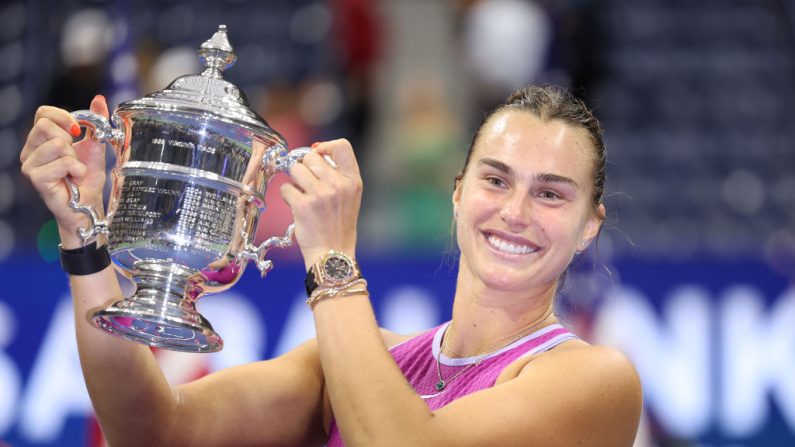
pixel 573 395
pixel 278 402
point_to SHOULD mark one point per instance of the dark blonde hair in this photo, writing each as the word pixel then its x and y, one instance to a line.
pixel 553 103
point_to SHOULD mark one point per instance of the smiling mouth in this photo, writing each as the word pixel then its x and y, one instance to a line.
pixel 510 247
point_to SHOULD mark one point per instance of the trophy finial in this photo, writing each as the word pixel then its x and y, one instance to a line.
pixel 217 54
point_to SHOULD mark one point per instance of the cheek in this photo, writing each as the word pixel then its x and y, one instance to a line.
pixel 562 228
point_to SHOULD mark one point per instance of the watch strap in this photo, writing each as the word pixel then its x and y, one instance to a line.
pixel 310 282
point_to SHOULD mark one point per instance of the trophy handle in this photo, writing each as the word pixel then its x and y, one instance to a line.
pixel 104 133
pixel 277 159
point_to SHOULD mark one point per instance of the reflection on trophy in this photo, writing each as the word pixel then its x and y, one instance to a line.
pixel 193 163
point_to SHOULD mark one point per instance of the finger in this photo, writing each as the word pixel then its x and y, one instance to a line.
pixel 60 117
pixel 290 193
pixel 45 129
pixel 48 152
pixel 303 178
pixel 100 105
pixel 341 152
pixel 319 166
pixel 43 177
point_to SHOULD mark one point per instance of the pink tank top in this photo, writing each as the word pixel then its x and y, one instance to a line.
pixel 417 359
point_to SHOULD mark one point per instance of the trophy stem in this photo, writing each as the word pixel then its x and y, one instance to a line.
pixel 161 313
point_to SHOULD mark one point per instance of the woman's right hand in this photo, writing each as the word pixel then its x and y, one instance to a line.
pixel 49 156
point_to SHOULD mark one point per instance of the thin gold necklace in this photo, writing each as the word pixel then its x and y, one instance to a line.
pixel 441 384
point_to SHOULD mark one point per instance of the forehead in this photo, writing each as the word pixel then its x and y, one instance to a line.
pixel 530 144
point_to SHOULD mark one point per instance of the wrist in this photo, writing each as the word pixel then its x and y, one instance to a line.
pixel 70 238
pixel 86 260
pixel 331 270
pixel 312 257
pixel 69 225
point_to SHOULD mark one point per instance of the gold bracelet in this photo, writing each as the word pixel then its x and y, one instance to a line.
pixel 342 290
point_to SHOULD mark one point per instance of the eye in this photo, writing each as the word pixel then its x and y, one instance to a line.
pixel 495 181
pixel 549 195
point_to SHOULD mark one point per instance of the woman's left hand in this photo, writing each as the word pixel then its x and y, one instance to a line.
pixel 325 200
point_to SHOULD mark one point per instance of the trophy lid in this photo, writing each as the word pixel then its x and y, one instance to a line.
pixel 209 93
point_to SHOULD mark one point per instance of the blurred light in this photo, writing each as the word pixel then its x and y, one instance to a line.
pixel 507 41
pixel 12 57
pixel 6 191
pixel 12 21
pixel 11 99
pixel 321 104
pixel 6 239
pixel 409 309
pixel 171 64
pixel 86 38
pixel 47 241
pixel 7 325
pixel 121 96
pixel 744 192
pixel 10 147
pixel 120 30
pixel 124 68
pixel 311 24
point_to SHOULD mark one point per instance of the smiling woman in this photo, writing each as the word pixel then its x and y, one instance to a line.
pixel 503 371
pixel 535 188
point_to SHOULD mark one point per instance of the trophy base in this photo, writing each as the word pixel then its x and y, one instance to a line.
pixel 136 323
pixel 159 315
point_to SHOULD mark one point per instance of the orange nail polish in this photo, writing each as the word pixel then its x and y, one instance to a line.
pixel 314 145
pixel 74 130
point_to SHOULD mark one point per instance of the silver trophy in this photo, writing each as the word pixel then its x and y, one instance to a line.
pixel 193 162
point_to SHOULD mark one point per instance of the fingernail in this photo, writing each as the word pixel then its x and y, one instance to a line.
pixel 99 97
pixel 314 145
pixel 74 130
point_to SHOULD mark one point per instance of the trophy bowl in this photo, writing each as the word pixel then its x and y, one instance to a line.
pixel 193 162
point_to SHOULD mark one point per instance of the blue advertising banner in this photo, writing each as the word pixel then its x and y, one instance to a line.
pixel 713 341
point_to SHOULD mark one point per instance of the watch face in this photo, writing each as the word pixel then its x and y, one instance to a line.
pixel 338 268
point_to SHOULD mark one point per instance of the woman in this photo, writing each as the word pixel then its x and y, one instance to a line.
pixel 502 372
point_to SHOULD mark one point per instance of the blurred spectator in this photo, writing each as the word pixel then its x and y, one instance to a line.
pixel 357 34
pixel 86 40
pixel 427 150
pixel 506 44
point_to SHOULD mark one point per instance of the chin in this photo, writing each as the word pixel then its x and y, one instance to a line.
pixel 506 279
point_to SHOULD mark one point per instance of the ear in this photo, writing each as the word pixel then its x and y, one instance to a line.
pixel 457 194
pixel 593 226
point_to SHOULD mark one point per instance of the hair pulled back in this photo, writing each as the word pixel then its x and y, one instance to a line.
pixel 553 103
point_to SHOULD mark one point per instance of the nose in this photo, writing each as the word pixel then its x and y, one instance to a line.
pixel 515 211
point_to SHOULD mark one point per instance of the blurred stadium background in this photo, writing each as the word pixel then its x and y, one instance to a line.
pixel 694 276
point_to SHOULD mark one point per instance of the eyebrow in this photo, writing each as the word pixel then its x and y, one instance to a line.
pixel 541 177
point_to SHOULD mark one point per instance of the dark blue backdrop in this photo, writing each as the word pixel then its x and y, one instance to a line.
pixel 658 313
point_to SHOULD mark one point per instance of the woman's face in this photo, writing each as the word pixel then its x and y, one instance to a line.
pixel 525 202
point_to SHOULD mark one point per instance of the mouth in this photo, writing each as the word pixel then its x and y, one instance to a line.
pixel 510 246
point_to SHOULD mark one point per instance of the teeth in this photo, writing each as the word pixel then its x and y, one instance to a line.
pixel 509 247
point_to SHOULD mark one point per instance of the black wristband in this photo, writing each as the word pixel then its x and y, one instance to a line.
pixel 85 260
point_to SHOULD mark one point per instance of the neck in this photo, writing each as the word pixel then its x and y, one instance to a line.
pixel 483 316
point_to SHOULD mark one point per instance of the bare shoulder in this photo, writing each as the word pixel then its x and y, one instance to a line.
pixel 574 394
pixel 594 366
pixel 599 381
pixel 579 352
